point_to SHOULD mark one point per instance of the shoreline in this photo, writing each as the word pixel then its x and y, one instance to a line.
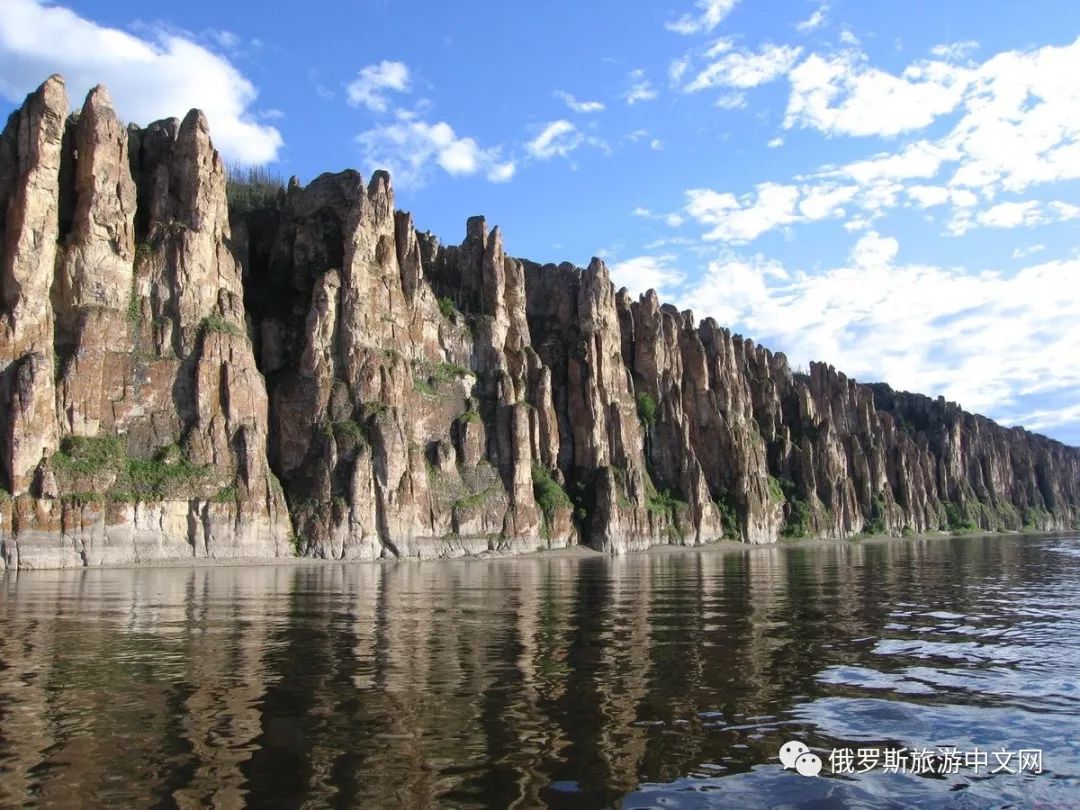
pixel 570 552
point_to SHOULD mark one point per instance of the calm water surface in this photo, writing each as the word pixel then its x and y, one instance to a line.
pixel 651 680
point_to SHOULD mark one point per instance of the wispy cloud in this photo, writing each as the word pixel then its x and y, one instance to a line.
pixel 579 106
pixel 814 21
pixel 370 87
pixel 556 139
pixel 745 69
pixel 710 14
pixel 641 88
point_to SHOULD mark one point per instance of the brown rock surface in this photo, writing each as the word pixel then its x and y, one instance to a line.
pixel 173 347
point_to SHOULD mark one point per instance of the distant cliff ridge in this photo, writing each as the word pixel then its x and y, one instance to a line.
pixel 303 372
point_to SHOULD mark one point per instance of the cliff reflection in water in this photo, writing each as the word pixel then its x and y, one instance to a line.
pixel 561 681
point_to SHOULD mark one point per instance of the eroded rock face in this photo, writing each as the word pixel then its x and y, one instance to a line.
pixel 305 372
pixel 134 416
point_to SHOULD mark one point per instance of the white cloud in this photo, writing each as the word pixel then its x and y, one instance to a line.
pixel 775 143
pixel 746 69
pixel 732 101
pixel 1021 253
pixel 1022 122
pixel 842 95
pixel 955 51
pixel 920 328
pixel 712 14
pixel 656 145
pixel 370 86
pixel 814 21
pixel 408 148
pixel 873 251
pixel 148 79
pixel 921 159
pixel 579 106
pixel 928 196
pixel 819 202
pixel 643 273
pixel 672 220
pixel 741 220
pixel 1013 214
pixel 556 139
pixel 678 69
pixel 641 88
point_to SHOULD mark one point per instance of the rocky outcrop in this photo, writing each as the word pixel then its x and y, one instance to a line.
pixel 197 367
pixel 134 417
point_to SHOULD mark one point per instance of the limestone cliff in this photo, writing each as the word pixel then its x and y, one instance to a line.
pixel 301 371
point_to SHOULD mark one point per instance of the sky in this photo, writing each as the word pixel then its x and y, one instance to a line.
pixel 889 186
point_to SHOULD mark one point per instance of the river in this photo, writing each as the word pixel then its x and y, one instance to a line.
pixel 662 679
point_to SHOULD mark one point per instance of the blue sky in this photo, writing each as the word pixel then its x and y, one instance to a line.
pixel 891 187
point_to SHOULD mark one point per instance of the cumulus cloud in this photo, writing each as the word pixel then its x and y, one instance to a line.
pixel 1017 125
pixel 159 75
pixel 739 220
pixel 643 273
pixel 711 14
pixel 579 106
pixel 1014 214
pixel 841 94
pixel 921 328
pixel 370 87
pixel 407 148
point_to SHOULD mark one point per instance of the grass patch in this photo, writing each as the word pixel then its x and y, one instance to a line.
pixel 662 503
pixel 799 521
pixel 471 415
pixel 82 498
pixel 156 479
pixel 215 323
pixel 474 500
pixel 958 518
pixel 5 496
pixel 347 431
pixel 87 455
pixel 549 495
pixel 448 309
pixel 646 409
pixel 428 378
pixel 776 489
pixel 253 189
pixel 729 515
pixel 134 308
pixel 444 372
pixel 229 494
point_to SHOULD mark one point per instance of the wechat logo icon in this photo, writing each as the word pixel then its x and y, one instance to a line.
pixel 795 754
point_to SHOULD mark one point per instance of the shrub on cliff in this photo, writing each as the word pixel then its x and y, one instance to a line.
pixel 253 188
pixel 646 409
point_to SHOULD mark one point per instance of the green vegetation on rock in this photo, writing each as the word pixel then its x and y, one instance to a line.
pixel 252 189
pixel 215 323
pixel 729 515
pixel 549 495
pixel 646 409
pixel 447 308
